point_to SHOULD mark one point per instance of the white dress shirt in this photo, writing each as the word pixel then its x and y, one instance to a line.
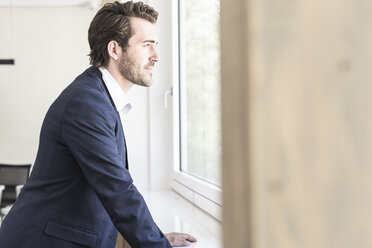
pixel 119 97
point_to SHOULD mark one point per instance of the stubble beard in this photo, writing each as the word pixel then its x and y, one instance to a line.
pixel 134 72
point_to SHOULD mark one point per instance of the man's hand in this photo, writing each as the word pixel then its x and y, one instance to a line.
pixel 179 239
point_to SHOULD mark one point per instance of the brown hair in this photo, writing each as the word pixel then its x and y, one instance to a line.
pixel 112 22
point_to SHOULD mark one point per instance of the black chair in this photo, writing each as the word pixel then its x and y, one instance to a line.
pixel 12 176
pixel 2 187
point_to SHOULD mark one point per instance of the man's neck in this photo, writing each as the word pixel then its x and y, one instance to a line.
pixel 124 84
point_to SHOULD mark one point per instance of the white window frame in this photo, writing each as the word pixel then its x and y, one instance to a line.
pixel 201 193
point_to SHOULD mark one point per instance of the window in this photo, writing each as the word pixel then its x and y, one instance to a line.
pixel 198 124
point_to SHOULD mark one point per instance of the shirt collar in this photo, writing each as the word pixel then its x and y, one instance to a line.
pixel 119 97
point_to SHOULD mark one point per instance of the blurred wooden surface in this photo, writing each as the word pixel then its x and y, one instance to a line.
pixel 121 243
pixel 297 123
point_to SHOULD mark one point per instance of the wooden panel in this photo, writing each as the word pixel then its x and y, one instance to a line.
pixel 237 212
pixel 297 155
pixel 121 243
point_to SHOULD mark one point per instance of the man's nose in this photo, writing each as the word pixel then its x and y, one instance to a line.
pixel 155 56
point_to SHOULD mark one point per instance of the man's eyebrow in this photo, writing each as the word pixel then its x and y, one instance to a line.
pixel 151 41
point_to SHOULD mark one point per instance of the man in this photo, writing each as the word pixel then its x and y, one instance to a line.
pixel 80 193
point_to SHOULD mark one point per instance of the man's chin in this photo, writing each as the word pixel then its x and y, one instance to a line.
pixel 144 84
pixel 148 82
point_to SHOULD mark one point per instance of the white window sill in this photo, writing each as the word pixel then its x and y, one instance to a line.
pixel 173 213
pixel 204 195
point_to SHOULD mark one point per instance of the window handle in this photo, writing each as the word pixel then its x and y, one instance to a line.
pixel 167 93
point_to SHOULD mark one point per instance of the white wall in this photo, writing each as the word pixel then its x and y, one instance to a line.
pixel 137 137
pixel 50 47
pixel 160 125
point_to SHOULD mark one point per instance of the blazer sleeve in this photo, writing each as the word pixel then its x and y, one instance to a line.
pixel 88 130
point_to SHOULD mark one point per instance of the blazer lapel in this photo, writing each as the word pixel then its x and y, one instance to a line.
pixel 95 72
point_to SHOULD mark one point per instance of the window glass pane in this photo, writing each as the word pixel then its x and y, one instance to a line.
pixel 200 89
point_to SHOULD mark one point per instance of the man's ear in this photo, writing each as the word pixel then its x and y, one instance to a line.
pixel 114 50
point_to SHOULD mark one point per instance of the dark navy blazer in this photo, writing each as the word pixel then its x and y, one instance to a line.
pixel 80 193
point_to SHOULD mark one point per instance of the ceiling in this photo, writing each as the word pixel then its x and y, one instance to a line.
pixel 36 3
